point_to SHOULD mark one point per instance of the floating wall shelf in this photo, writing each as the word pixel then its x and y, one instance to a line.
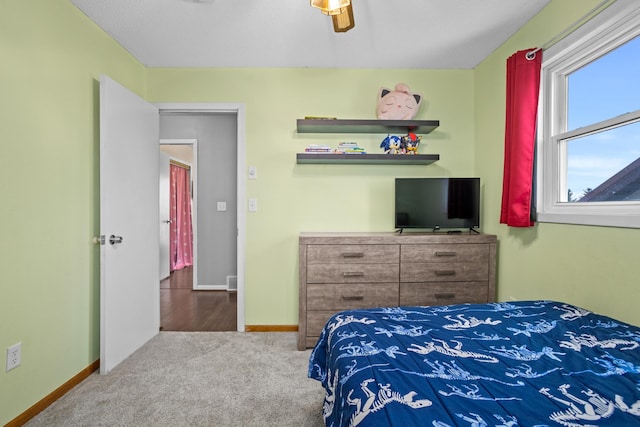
pixel 367 159
pixel 366 126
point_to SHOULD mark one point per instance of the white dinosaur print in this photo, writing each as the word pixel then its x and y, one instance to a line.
pixel 633 409
pixel 341 320
pixel 571 313
pixel 413 331
pixel 576 342
pixel 526 371
pixel 330 396
pixel 521 352
pixel 368 349
pixel 580 411
pixel 541 327
pixel 476 420
pixel 473 393
pixel 446 349
pixel 460 322
pixel 375 402
pixel 612 366
pixel 482 336
pixel 473 419
pixel 353 369
pixel 519 313
pixel 451 371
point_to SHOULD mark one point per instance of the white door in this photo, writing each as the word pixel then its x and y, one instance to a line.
pixel 165 219
pixel 129 279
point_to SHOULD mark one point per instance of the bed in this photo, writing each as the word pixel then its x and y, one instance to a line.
pixel 526 363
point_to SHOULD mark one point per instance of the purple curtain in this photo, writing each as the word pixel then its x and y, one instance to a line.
pixel 523 86
pixel 181 230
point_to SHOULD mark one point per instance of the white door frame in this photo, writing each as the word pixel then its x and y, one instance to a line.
pixel 164 210
pixel 194 212
pixel 239 110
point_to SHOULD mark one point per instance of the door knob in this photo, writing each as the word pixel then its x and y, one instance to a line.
pixel 114 240
pixel 167 221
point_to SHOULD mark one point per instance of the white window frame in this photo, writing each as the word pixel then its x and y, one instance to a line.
pixel 613 27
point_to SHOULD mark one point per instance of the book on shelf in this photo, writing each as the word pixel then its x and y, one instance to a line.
pixel 343 148
pixel 314 148
pixel 349 148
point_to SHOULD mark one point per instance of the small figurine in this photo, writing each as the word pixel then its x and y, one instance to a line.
pixel 390 144
pixel 409 143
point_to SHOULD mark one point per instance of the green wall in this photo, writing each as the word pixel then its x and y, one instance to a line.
pixel 52 56
pixel 294 198
pixel 594 267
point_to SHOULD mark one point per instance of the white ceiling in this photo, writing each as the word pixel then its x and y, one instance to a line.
pixel 433 34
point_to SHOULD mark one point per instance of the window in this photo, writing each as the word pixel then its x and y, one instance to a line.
pixel 589 123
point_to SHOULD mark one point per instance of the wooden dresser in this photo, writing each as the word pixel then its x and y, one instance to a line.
pixel 340 271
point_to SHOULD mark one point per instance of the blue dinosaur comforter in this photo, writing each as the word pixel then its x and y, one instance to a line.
pixel 530 363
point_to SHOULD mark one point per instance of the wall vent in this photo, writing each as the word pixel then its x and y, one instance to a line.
pixel 232 283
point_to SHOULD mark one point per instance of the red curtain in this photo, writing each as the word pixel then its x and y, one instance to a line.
pixel 523 86
pixel 181 230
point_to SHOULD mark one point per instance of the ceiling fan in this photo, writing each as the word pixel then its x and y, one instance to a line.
pixel 341 13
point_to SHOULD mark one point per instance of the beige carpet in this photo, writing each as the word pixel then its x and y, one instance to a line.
pixel 198 379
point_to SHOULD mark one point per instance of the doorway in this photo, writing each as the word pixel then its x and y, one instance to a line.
pixel 178 160
pixel 183 307
pixel 213 126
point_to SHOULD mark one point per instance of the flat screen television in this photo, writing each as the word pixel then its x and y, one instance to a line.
pixel 435 203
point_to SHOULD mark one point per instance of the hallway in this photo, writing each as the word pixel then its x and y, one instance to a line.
pixel 183 309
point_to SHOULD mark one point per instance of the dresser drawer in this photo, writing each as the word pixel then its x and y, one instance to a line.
pixel 444 253
pixel 335 296
pixel 359 254
pixel 443 272
pixel 352 273
pixel 443 293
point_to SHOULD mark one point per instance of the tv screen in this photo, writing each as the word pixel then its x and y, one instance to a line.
pixel 437 203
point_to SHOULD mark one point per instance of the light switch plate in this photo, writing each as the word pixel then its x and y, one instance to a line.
pixel 253 172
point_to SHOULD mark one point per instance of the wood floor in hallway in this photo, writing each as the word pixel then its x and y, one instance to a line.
pixel 183 309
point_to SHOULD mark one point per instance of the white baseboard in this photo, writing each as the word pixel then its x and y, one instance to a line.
pixel 210 288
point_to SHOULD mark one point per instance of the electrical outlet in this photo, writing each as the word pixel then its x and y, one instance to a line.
pixel 14 355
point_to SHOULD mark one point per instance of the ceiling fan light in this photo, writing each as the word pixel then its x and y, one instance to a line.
pixel 331 7
pixel 343 21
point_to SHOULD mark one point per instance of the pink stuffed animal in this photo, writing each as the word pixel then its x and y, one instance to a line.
pixel 398 104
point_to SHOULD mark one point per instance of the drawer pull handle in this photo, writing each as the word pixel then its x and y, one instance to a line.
pixel 442 254
pixel 445 273
pixel 447 295
pixel 353 274
pixel 353 255
pixel 352 298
